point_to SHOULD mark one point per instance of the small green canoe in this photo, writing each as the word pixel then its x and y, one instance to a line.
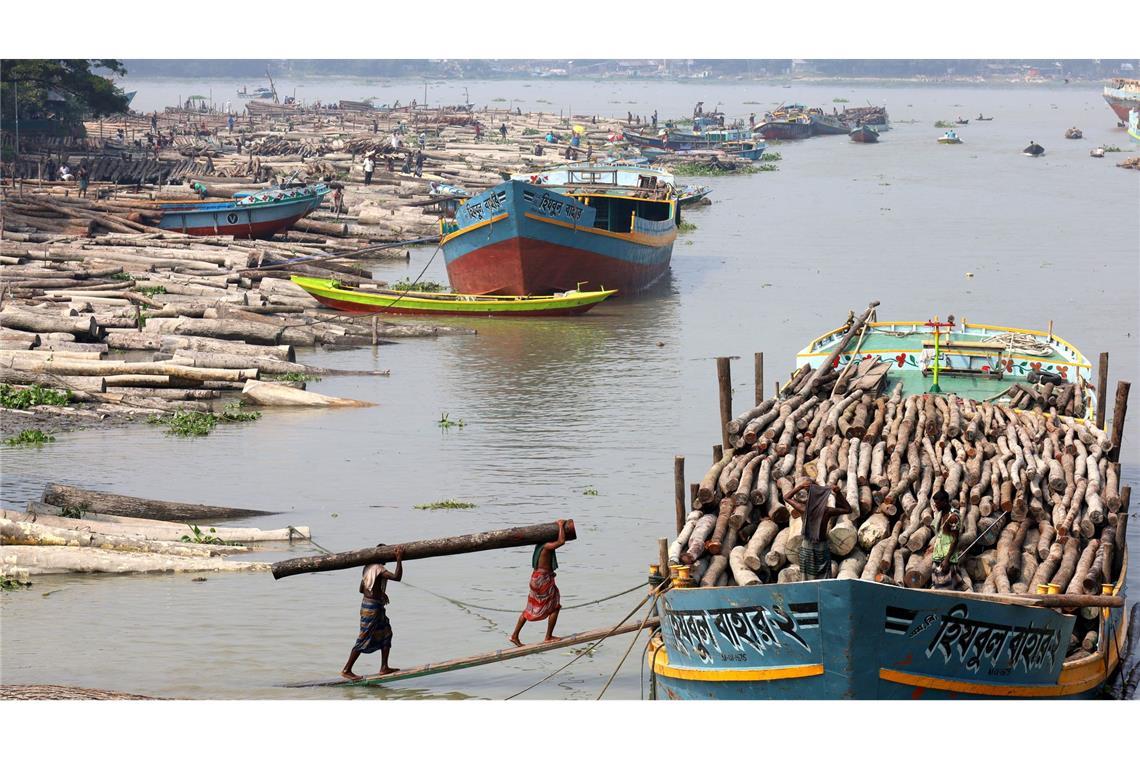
pixel 366 301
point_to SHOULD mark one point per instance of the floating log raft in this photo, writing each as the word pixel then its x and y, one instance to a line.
pixel 528 535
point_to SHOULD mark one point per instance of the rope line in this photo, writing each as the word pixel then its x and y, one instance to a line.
pixel 656 592
pixel 590 648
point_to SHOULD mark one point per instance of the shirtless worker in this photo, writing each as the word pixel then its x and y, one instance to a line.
pixel 544 600
pixel 815 556
pixel 375 630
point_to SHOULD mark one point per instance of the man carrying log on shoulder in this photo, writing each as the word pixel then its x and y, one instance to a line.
pixel 375 629
pixel 544 600
pixel 945 573
pixel 815 556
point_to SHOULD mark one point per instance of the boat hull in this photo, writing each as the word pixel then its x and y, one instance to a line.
pixel 533 241
pixel 785 130
pixel 864 135
pixel 1123 97
pixel 241 221
pixel 828 125
pixel 853 639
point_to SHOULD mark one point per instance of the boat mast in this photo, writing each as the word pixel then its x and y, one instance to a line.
pixel 936 325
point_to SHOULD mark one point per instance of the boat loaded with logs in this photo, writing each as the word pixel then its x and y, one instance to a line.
pixel 1004 420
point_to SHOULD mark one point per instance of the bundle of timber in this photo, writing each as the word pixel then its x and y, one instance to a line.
pixel 1038 493
pixel 1047 395
pixel 48 212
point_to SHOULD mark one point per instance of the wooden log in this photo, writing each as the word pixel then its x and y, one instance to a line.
pixel 83 328
pixel 1119 412
pixel 707 488
pixel 260 393
pixel 682 541
pixel 46 380
pixel 527 535
pixel 231 329
pixel 743 575
pixel 44 560
pixel 758 544
pixel 724 386
pixel 174 343
pixel 86 500
pixel 23 529
pixel 1084 565
pixel 758 376
pixel 1102 390
pixel 716 543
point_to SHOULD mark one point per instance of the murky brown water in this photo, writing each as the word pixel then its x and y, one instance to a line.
pixel 558 407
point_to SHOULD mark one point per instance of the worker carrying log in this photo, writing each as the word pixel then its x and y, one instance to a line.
pixel 375 628
pixel 544 601
pixel 815 556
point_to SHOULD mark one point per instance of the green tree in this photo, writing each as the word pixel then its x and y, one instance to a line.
pixel 66 90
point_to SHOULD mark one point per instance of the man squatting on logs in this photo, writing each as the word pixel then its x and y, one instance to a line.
pixel 544 600
pixel 815 556
pixel 375 630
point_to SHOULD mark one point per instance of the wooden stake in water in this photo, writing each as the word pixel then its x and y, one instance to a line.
pixel 1119 411
pixel 724 384
pixel 1102 390
pixel 758 369
pixel 679 491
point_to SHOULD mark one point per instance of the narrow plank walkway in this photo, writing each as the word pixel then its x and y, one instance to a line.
pixel 498 655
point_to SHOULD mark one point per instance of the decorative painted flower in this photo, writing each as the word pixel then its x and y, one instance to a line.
pixel 1008 364
pixel 985 368
pixel 1035 366
pixel 835 363
pixel 1064 370
pixel 901 359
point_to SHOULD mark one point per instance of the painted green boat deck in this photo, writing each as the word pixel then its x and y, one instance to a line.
pixel 976 387
pixel 879 341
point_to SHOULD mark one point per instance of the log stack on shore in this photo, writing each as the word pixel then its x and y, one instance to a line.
pixel 208 320
pixel 75 530
pixel 1039 494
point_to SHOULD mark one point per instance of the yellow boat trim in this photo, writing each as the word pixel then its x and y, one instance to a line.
pixel 633 237
pixel 952 352
pixel 659 658
pixel 473 227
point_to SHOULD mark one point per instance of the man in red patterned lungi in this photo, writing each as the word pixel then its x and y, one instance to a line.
pixel 544 600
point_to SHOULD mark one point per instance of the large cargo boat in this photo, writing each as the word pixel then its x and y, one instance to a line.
pixel 1122 96
pixel 605 227
pixel 790 127
pixel 862 633
pixel 258 215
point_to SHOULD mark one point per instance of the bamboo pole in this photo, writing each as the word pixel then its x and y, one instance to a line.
pixel 679 491
pixel 724 385
pixel 758 370
pixel 1102 390
pixel 1119 411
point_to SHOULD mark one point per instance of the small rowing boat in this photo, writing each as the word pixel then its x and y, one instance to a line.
pixel 366 300
pixel 950 138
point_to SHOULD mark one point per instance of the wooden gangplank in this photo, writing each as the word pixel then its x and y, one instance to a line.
pixel 498 655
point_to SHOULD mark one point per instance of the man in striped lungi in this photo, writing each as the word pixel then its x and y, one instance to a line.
pixel 375 629
pixel 815 555
pixel 544 601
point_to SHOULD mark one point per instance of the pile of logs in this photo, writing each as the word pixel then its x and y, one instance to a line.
pixel 1039 493
pixel 210 322
pixel 1063 398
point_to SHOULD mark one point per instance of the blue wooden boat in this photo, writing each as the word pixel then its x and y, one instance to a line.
pixel 256 215
pixel 1134 124
pixel 687 195
pixel 863 636
pixel 594 225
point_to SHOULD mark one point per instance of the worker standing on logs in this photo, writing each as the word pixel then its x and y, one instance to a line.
pixel 375 629
pixel 544 600
pixel 815 556
pixel 944 559
pixel 369 167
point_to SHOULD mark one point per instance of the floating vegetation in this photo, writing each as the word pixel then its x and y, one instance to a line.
pixel 498 100
pixel 686 227
pixel 591 491
pixel 943 124
pixel 120 276
pixel 72 511
pixel 1111 149
pixel 13 584
pixel 448 504
pixel 33 395
pixel 446 423
pixel 189 424
pixel 423 286
pixel 295 377
pixel 840 100
pixel 715 170
pixel 770 156
pixel 752 103
pixel 198 537
pixel 31 437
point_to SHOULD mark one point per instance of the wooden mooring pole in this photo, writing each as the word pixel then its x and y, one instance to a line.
pixel 1102 390
pixel 1119 411
pixel 724 384
pixel 758 369
pixel 679 491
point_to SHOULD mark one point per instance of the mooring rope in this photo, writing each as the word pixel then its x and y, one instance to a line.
pixel 656 592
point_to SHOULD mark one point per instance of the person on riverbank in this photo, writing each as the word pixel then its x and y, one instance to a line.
pixel 543 601
pixel 503 131
pixel 419 163
pixel 84 179
pixel 369 167
pixel 815 556
pixel 375 628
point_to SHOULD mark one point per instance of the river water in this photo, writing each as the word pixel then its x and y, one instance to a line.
pixel 556 410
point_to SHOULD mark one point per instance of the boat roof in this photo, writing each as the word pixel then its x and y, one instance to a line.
pixel 977 361
pixel 596 176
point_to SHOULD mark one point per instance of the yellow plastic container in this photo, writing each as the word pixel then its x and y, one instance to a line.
pixel 1054 588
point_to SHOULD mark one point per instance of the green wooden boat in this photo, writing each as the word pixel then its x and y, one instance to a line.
pixel 369 300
